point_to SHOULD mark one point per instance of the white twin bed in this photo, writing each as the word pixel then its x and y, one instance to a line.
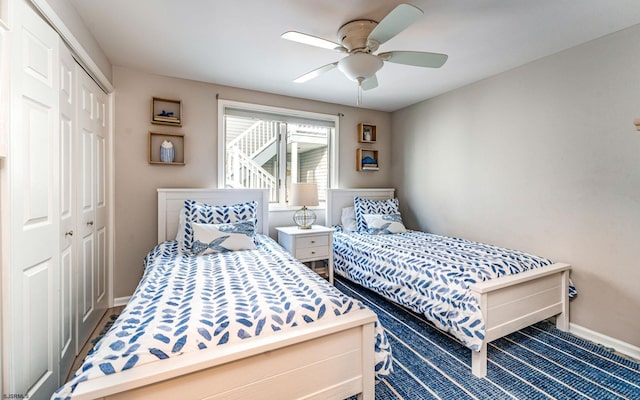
pixel 250 324
pixel 475 291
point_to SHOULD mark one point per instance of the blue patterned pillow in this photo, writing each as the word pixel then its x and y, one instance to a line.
pixel 202 213
pixel 220 238
pixel 366 206
pixel 384 224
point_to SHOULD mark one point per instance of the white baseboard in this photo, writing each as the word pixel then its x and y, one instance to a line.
pixel 121 301
pixel 618 345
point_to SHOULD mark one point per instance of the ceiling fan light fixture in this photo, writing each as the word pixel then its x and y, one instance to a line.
pixel 360 66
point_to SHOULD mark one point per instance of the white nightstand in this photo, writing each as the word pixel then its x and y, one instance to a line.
pixel 312 245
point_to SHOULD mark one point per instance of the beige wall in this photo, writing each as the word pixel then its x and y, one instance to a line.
pixel 136 181
pixel 545 159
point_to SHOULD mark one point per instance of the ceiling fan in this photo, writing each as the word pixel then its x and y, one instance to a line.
pixel 359 39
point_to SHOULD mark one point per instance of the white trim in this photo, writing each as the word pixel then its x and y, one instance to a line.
pixel 121 301
pixel 111 223
pixel 79 53
pixel 221 136
pixel 607 341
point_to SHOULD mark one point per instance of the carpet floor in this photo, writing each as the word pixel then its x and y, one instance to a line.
pixel 538 362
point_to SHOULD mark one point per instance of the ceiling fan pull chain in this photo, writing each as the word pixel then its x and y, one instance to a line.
pixel 359 99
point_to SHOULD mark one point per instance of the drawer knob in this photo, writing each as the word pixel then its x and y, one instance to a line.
pixel 313 241
pixel 313 252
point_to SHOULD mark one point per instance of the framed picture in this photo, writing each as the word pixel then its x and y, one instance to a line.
pixel 366 133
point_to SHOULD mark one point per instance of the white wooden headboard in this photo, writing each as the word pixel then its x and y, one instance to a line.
pixel 171 201
pixel 337 199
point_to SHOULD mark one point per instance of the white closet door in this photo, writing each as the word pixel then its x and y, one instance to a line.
pixel 34 204
pixel 68 250
pixel 92 298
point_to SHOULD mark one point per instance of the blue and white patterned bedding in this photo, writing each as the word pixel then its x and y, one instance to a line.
pixel 188 303
pixel 430 274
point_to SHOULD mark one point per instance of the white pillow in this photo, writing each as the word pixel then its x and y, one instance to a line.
pixel 220 238
pixel 384 224
pixel 348 219
pixel 181 225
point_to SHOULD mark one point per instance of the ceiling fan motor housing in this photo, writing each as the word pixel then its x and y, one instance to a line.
pixel 353 35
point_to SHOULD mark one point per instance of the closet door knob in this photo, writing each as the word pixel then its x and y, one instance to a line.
pixel 90 223
pixel 70 233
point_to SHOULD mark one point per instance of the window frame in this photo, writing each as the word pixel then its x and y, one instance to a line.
pixel 333 145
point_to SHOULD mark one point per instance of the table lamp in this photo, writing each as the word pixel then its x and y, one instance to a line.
pixel 304 194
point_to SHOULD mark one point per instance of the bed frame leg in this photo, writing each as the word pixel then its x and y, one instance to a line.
pixel 562 320
pixel 368 363
pixel 479 361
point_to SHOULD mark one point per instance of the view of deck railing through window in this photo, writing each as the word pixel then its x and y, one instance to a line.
pixel 269 150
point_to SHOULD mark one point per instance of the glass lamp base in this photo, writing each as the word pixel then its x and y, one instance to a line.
pixel 304 218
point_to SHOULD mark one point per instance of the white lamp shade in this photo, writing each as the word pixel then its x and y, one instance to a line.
pixel 360 66
pixel 304 194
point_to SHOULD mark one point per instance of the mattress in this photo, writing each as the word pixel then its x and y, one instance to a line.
pixel 430 274
pixel 187 303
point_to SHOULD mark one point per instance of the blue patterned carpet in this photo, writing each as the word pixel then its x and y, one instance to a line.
pixel 538 362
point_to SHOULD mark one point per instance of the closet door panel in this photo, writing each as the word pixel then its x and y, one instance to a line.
pixel 87 316
pixel 101 266
pixel 92 206
pixel 67 347
pixel 86 280
pixel 34 267
pixel 102 211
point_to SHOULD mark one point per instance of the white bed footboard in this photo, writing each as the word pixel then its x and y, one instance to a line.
pixel 513 302
pixel 334 360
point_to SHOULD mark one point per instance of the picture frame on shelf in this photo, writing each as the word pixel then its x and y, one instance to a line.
pixel 367 133
pixel 166 112
pixel 166 148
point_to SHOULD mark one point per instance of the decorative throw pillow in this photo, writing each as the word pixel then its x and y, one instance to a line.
pixel 201 213
pixel 348 219
pixel 366 206
pixel 384 224
pixel 220 238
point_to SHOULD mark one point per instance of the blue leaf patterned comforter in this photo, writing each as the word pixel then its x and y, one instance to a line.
pixel 189 303
pixel 430 274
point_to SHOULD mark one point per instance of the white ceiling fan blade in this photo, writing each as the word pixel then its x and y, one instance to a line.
pixel 416 58
pixel 370 83
pixel 312 40
pixel 395 22
pixel 315 73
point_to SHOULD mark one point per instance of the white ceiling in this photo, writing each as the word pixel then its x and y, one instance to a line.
pixel 237 42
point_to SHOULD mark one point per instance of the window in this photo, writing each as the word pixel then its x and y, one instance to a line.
pixel 269 148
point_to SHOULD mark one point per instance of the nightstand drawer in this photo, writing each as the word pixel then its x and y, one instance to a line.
pixel 312 241
pixel 319 252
